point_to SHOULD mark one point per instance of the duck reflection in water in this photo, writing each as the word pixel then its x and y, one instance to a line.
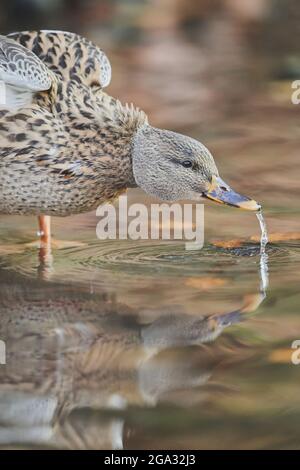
pixel 69 356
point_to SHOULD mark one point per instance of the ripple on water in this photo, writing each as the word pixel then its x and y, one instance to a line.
pixel 151 259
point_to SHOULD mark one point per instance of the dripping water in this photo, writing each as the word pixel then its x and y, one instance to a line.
pixel 264 275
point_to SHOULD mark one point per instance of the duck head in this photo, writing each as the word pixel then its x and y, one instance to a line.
pixel 172 166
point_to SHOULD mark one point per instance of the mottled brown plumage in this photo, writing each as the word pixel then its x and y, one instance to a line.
pixel 69 149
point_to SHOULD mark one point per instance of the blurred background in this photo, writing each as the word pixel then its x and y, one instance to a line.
pixel 186 62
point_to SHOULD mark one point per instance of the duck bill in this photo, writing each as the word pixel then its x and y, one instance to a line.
pixel 222 193
pixel 228 319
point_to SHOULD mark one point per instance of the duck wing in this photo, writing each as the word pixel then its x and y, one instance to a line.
pixel 71 56
pixel 22 74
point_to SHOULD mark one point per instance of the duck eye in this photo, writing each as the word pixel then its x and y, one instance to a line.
pixel 187 164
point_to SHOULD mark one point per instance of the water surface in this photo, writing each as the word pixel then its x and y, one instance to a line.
pixel 146 345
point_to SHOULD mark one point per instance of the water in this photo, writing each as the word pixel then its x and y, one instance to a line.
pixel 147 345
pixel 264 233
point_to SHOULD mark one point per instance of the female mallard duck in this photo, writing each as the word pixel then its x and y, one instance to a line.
pixel 66 146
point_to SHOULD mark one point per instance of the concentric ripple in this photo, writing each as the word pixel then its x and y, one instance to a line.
pixel 149 259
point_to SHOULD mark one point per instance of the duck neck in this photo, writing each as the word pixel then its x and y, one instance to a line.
pixel 101 127
pixel 119 125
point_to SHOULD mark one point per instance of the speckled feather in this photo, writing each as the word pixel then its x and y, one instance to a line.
pixel 69 148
